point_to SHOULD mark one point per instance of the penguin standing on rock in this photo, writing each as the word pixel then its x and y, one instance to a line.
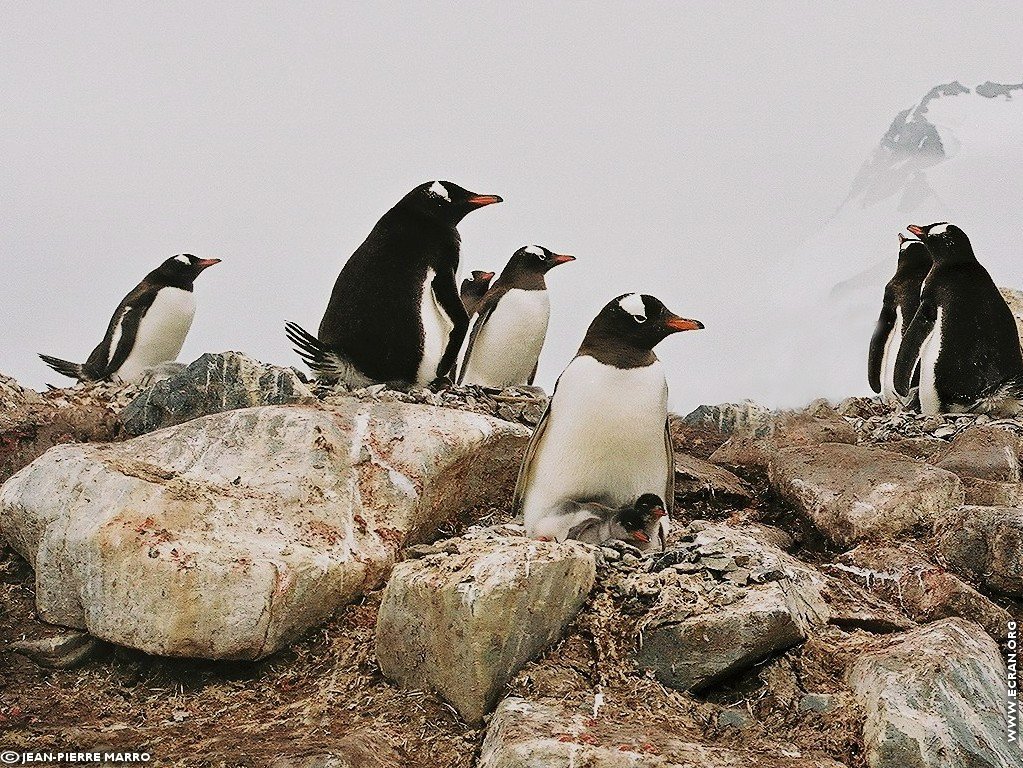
pixel 148 327
pixel 395 314
pixel 473 289
pixel 604 436
pixel 901 300
pixel 511 322
pixel 963 334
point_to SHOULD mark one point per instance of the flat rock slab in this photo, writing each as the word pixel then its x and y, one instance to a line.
pixel 213 384
pixel 754 448
pixel 853 492
pixel 230 535
pixel 903 576
pixel 698 479
pixel 935 697
pixel 64 651
pixel 984 544
pixel 462 622
pixel 984 452
pixel 726 601
pixel 549 734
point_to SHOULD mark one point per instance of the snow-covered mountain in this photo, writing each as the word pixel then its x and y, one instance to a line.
pixel 956 155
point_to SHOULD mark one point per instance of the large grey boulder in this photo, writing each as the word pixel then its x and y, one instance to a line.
pixel 230 535
pixel 903 576
pixel 853 492
pixel 984 544
pixel 935 697
pixel 726 601
pixel 984 452
pixel 212 384
pixel 755 446
pixel 550 734
pixel 463 621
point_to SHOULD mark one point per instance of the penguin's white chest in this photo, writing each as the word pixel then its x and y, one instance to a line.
pixel 930 350
pixel 891 354
pixel 603 441
pixel 506 349
pixel 437 327
pixel 160 335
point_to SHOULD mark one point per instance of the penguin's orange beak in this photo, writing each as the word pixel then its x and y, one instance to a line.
pixel 640 536
pixel 676 323
pixel 918 231
pixel 207 262
pixel 481 200
pixel 484 276
pixel 659 512
pixel 562 258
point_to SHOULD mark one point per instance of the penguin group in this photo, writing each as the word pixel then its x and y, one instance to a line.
pixel 946 340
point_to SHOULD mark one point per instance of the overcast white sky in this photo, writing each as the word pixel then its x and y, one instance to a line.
pixel 675 148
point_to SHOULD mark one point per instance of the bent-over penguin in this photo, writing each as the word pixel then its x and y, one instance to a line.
pixel 604 436
pixel 148 327
pixel 963 334
pixel 901 299
pixel 473 289
pixel 394 314
pixel 511 322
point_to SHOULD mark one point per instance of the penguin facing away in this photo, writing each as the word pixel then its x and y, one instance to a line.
pixel 634 524
pixel 473 289
pixel 148 327
pixel 963 334
pixel 901 299
pixel 395 314
pixel 510 324
pixel 604 436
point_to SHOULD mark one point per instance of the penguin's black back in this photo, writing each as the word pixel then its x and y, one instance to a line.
pixel 373 317
pixel 980 343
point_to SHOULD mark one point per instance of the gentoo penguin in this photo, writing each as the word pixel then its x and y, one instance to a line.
pixel 395 314
pixel 148 327
pixel 901 299
pixel 473 289
pixel 632 523
pixel 963 334
pixel 511 322
pixel 604 435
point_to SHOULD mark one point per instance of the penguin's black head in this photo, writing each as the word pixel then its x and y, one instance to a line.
pixel 445 201
pixel 477 283
pixel 638 321
pixel 536 258
pixel 913 255
pixel 180 270
pixel 638 519
pixel 946 242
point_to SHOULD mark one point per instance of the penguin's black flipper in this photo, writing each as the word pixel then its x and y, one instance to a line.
pixel 65 367
pixel 322 361
pixel 883 329
pixel 483 313
pixel 912 341
pixel 445 291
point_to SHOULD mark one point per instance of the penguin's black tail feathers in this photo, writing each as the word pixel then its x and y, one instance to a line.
pixel 324 362
pixel 66 368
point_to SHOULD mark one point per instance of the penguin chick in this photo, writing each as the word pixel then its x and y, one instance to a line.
pixel 148 327
pixel 511 322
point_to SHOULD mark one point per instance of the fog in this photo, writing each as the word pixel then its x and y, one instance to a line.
pixel 684 150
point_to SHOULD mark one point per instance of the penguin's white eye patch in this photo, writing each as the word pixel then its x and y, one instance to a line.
pixel 633 304
pixel 182 258
pixel 440 191
pixel 938 230
pixel 535 250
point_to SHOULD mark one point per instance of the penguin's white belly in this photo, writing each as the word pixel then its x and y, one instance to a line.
pixel 930 403
pixel 437 327
pixel 507 347
pixel 603 441
pixel 891 354
pixel 160 335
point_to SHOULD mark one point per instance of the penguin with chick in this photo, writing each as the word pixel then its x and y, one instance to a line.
pixel 395 315
pixel 604 435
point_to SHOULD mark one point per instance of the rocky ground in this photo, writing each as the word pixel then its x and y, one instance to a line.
pixel 829 570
